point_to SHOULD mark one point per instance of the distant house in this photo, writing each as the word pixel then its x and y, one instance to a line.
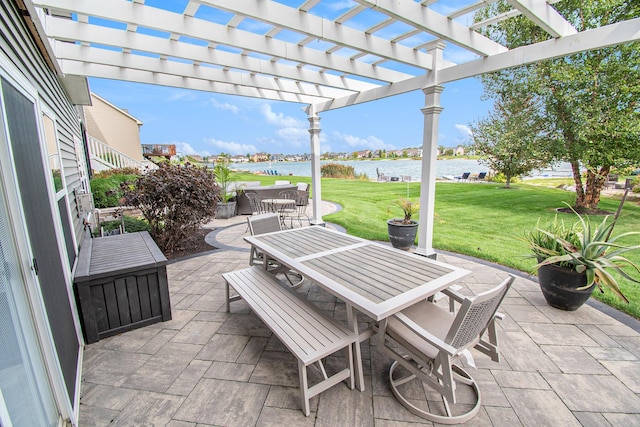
pixel 260 157
pixel 113 135
pixel 458 151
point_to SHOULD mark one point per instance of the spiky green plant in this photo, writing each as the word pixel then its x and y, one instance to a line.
pixel 585 249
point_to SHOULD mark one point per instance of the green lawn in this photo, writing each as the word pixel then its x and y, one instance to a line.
pixel 481 220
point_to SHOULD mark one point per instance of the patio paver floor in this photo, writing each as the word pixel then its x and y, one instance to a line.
pixel 209 367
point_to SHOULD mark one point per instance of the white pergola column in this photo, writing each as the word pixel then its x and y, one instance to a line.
pixel 431 113
pixel 316 201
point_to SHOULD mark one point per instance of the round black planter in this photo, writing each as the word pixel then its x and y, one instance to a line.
pixel 401 235
pixel 558 285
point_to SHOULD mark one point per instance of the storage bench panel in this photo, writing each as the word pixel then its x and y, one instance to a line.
pixel 117 293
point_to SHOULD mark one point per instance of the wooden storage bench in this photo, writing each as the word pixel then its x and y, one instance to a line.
pixel 306 331
pixel 120 283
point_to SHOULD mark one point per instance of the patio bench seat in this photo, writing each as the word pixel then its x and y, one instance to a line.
pixel 303 328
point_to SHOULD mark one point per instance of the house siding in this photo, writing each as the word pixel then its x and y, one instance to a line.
pixel 114 127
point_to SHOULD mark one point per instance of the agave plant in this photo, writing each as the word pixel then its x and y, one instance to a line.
pixel 585 249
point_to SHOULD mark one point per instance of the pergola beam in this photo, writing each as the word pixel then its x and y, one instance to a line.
pixel 418 16
pixel 545 16
pixel 598 38
pixel 79 53
pixel 86 33
pixel 161 20
pixel 292 19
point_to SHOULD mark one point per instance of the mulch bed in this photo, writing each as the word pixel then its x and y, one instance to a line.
pixel 196 246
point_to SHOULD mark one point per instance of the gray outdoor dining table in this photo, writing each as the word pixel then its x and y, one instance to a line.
pixel 369 277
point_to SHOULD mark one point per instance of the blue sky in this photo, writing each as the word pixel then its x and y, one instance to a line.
pixel 208 123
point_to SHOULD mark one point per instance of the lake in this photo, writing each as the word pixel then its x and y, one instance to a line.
pixel 402 167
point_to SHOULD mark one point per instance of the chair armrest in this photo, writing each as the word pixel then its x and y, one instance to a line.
pixel 453 294
pixel 425 335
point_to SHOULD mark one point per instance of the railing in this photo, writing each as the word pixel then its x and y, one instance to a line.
pixel 104 157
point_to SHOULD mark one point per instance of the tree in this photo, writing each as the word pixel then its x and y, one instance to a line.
pixel 589 100
pixel 507 138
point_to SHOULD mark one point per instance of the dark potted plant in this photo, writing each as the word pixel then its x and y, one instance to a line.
pixel 573 260
pixel 403 231
pixel 226 208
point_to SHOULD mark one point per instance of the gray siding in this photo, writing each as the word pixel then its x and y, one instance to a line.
pixel 16 43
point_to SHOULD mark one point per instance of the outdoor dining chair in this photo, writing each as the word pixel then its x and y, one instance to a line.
pixel 269 223
pixel 428 342
pixel 288 211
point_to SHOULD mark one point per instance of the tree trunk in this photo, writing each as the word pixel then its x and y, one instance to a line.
pixel 507 184
pixel 577 180
pixel 589 197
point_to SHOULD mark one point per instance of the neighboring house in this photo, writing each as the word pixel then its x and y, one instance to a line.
pixel 43 173
pixel 113 136
pixel 458 151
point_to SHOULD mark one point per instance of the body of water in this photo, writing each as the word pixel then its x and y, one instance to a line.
pixel 412 168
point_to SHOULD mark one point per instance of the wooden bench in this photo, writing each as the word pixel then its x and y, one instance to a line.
pixel 306 331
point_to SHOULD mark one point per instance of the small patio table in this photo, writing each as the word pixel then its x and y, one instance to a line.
pixel 369 277
pixel 279 206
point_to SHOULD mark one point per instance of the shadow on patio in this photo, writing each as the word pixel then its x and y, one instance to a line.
pixel 208 367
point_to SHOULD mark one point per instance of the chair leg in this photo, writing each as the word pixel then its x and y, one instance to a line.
pixel 304 388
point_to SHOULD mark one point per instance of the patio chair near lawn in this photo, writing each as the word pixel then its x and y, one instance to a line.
pixel 427 342
pixel 463 177
pixel 479 177
pixel 269 223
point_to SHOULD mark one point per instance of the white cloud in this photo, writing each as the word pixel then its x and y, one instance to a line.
pixel 339 5
pixel 224 106
pixel 232 147
pixel 185 148
pixel 370 142
pixel 279 119
pixel 464 130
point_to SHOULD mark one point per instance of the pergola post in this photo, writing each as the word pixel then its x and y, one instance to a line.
pixel 431 111
pixel 314 131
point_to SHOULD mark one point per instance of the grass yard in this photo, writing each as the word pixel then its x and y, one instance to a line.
pixel 482 220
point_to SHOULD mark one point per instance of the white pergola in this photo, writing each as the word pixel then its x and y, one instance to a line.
pixel 325 54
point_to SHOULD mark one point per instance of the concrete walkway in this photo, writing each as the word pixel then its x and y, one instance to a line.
pixel 208 367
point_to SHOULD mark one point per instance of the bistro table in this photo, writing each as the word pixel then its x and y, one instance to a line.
pixel 279 206
pixel 369 277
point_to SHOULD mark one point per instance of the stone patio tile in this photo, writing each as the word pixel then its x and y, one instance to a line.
pixel 540 407
pixel 378 422
pixel 179 318
pixel 608 353
pixel 209 302
pixel 573 359
pixel 630 343
pixel 174 423
pixel 615 398
pixel 245 324
pixel 517 379
pixel 553 334
pixel 158 341
pixel 186 302
pixel 277 417
pixel 229 371
pixel 626 371
pixel 591 419
pixel 277 368
pixel 585 315
pixel 599 336
pixel 223 403
pixel 130 340
pixel 524 313
pixel 149 408
pixel 211 316
pixel 189 377
pixel 623 420
pixel 156 375
pixel 253 350
pixel 388 408
pixel 502 417
pixel 619 330
pixel 522 354
pixel 94 416
pixel 534 297
pixel 345 407
pixel 196 332
pixel 110 367
pixel 108 397
pixel 224 348
pixel 288 398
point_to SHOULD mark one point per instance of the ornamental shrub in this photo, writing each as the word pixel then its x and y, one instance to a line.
pixel 106 189
pixel 175 200
pixel 335 170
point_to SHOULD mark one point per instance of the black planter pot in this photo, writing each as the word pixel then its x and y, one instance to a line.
pixel 401 235
pixel 559 287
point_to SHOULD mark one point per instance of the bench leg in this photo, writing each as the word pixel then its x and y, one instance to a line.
pixel 304 388
pixel 352 320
